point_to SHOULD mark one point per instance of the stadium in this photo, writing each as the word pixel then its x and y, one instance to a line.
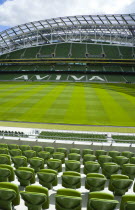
pixel 67 114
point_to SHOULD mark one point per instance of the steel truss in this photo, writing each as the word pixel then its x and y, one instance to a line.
pixel 105 29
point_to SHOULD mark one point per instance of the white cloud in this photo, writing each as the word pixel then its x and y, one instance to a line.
pixel 14 12
pixel 129 8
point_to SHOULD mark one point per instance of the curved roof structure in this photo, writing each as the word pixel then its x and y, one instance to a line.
pixel 113 29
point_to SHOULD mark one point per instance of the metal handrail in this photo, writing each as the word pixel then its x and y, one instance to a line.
pixel 109 140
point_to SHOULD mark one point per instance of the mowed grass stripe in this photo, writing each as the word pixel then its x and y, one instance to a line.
pixel 58 109
pixel 9 110
pixel 35 97
pixel 76 112
pixel 33 100
pixel 38 110
pixel 116 114
pixel 122 88
pixel 73 103
pixel 27 103
pixel 20 91
pixel 11 97
pixel 11 92
pixel 5 87
pixel 127 102
pixel 95 111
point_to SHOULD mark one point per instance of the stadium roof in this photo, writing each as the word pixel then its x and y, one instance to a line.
pixel 113 29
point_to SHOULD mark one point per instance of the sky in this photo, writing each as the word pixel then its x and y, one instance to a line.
pixel 15 12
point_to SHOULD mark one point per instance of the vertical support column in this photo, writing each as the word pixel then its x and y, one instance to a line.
pixel 51 36
pixel 37 37
pixel 95 34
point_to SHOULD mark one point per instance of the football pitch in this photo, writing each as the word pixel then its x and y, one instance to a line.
pixel 68 103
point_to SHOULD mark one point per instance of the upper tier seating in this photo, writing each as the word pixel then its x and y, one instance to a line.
pixel 72 50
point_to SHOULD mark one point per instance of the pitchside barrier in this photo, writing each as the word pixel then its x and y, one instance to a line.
pixel 69 143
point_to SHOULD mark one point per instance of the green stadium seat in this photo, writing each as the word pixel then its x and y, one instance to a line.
pixel 78 53
pixel 44 155
pixel 48 49
pixel 25 175
pixel 19 161
pixel 100 152
pixel 134 188
pixel 29 53
pixel 47 178
pixel 130 78
pixel 59 156
pixel 119 184
pixel 3 146
pixel 110 168
pixel 88 157
pixel 37 149
pixel 15 152
pixel 95 182
pixel 127 202
pixel 10 186
pixel 63 150
pixel 94 49
pixel 101 200
pixel 6 198
pixel 36 163
pixel 35 197
pixel 4 150
pixel 4 174
pixel 129 170
pixel 113 154
pixel 74 156
pixel 127 154
pixel 62 50
pixel 29 154
pixel 126 52
pixel 68 199
pixel 87 152
pixel 121 160
pixel 71 179
pixel 49 149
pixel 13 146
pixel 24 147
pixel 91 167
pixel 5 159
pixel 75 150
pixel 54 164
pixel 111 51
pixel 104 159
pixel 132 160
pixel 12 175
pixel 72 165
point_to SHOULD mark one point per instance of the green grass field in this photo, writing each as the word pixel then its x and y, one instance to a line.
pixel 68 103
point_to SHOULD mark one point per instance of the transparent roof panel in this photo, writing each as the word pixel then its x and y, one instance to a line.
pixel 116 25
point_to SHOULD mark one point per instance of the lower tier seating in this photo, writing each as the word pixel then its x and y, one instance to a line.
pixel 52 183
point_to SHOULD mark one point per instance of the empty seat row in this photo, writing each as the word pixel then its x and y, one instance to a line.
pixel 120 160
pixel 71 199
pixel 37 163
pixel 119 183
pixel 36 148
pixel 104 162
pixel 37 198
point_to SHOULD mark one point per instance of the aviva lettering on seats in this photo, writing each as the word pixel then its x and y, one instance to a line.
pixel 62 77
